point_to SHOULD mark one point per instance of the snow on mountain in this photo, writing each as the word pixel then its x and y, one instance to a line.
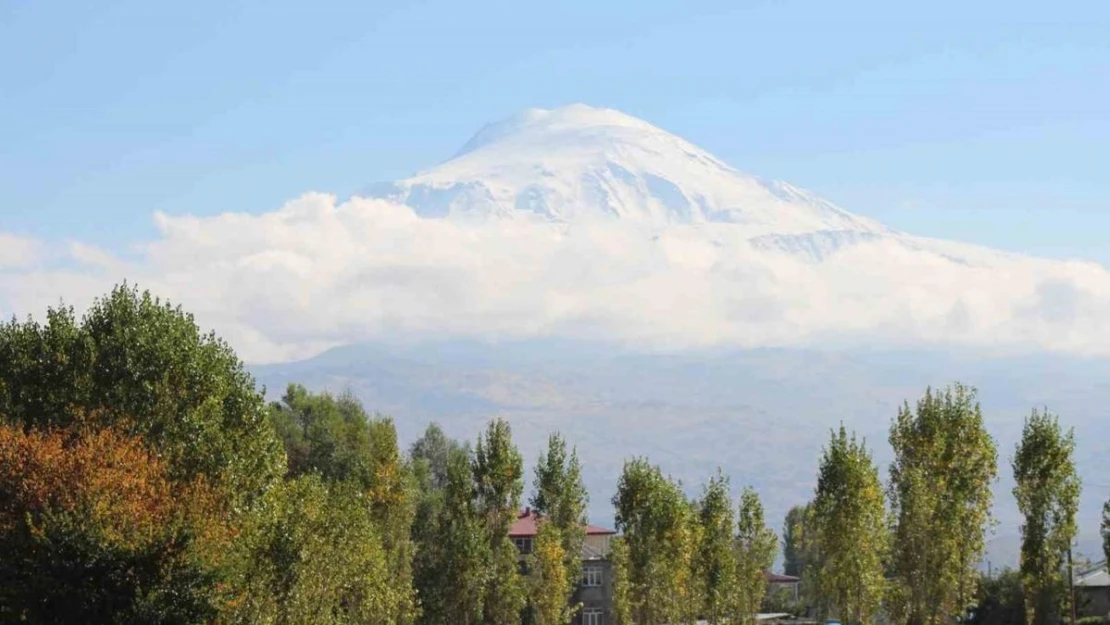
pixel 581 163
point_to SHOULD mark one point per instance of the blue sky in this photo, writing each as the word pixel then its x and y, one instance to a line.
pixel 982 121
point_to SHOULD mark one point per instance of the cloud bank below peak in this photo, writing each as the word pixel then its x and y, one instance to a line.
pixel 319 272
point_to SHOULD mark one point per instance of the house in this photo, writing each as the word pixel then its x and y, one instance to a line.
pixel 595 589
pixel 1092 591
pixel 777 582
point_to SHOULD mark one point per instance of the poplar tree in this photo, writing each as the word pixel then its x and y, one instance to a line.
pixel 560 499
pixel 498 477
pixel 755 552
pixel 392 497
pixel 659 535
pixel 1047 492
pixel 453 569
pixel 715 565
pixel 430 460
pixel 622 584
pixel 850 530
pixel 940 499
pixel 1105 527
pixel 796 546
pixel 334 438
pixel 549 584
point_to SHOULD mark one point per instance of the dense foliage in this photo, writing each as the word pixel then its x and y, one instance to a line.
pixel 796 541
pixel 1047 493
pixel 560 500
pixel 999 600
pixel 715 566
pixel 940 496
pixel 312 554
pixel 849 531
pixel 94 531
pixel 144 480
pixel 755 551
pixel 659 533
pixel 145 367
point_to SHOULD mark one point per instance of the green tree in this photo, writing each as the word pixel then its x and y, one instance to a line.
pixel 93 531
pixel 451 570
pixel 1105 528
pixel 549 583
pixel 136 362
pixel 324 434
pixel 431 458
pixel 659 535
pixel 850 530
pixel 622 583
pixel 755 552
pixel 311 554
pixel 940 496
pixel 392 496
pixel 796 546
pixel 560 499
pixel 1047 492
pixel 335 438
pixel 999 600
pixel 432 452
pixel 498 478
pixel 715 565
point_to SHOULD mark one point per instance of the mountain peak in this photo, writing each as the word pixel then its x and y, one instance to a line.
pixel 580 162
pixel 549 121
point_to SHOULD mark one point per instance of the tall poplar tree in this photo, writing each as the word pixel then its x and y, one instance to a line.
pixel 795 541
pixel 1047 492
pixel 755 552
pixel 659 537
pixel 715 565
pixel 1106 530
pixel 498 476
pixel 549 585
pixel 850 530
pixel 334 438
pixel 393 503
pixel 940 499
pixel 622 584
pixel 430 460
pixel 560 499
pixel 453 570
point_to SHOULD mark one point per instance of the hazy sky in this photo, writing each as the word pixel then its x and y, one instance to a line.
pixel 984 121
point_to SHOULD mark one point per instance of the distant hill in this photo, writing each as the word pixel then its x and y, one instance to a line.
pixel 761 415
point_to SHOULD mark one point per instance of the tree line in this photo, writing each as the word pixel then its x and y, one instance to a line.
pixel 909 550
pixel 144 478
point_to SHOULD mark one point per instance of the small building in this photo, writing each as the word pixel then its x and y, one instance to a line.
pixel 777 582
pixel 1092 591
pixel 595 589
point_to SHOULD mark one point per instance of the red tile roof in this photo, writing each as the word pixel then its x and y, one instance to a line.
pixel 776 578
pixel 525 525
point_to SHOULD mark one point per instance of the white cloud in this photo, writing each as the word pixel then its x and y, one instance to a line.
pixel 17 251
pixel 318 273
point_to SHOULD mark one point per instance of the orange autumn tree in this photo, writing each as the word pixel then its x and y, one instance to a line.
pixel 93 530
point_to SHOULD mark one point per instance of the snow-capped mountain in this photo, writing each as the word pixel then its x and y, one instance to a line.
pixel 582 163
pixel 609 222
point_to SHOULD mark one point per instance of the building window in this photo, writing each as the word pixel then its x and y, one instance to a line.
pixel 524 545
pixel 591 616
pixel 591 576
